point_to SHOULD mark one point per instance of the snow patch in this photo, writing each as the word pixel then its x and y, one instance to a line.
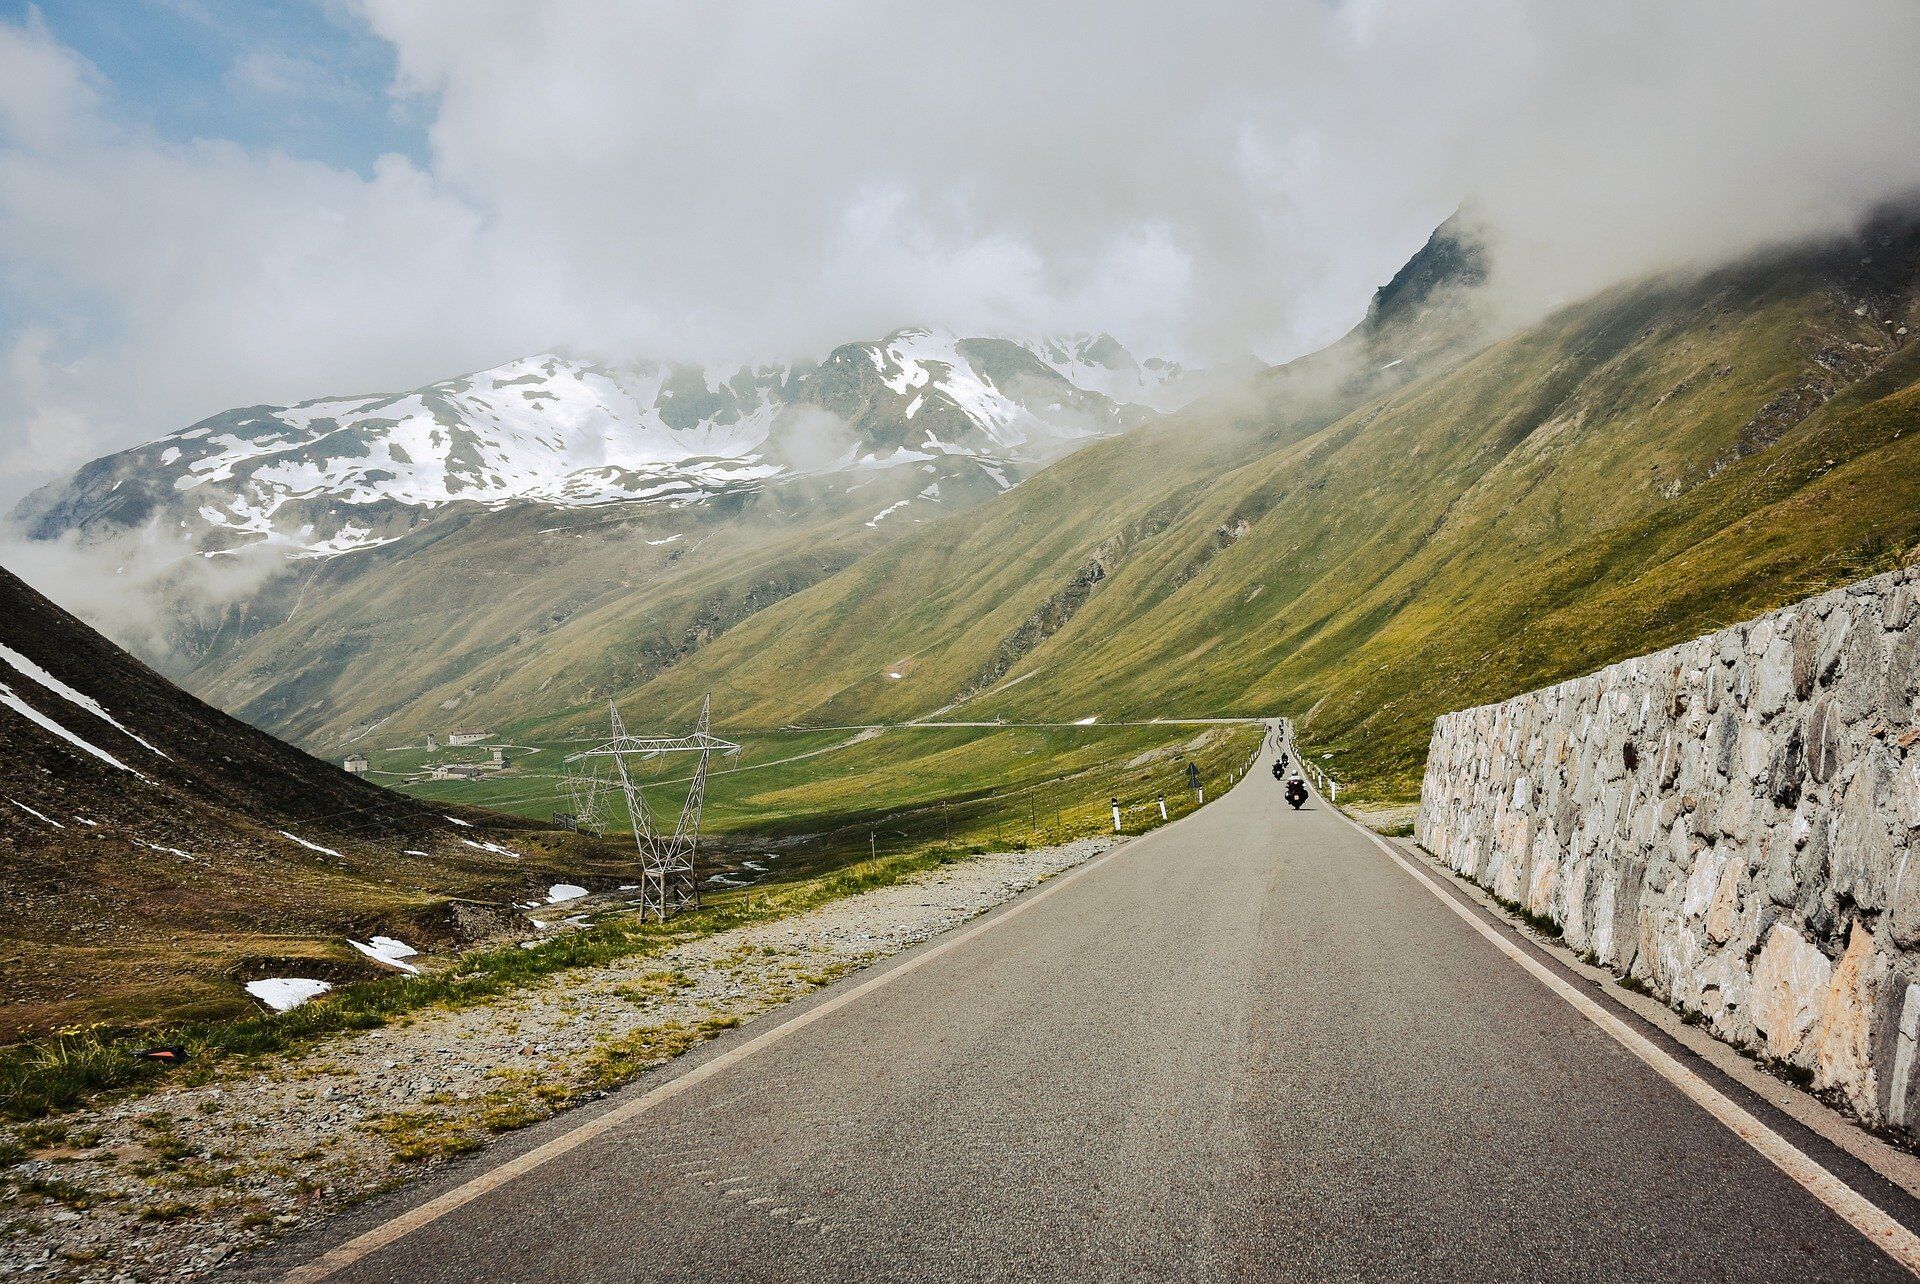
pixel 312 847
pixel 883 513
pixel 27 668
pixel 564 892
pixel 38 815
pixel 388 950
pixel 33 715
pixel 284 993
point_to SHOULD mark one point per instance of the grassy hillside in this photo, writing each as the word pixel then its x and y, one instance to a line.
pixel 1634 469
pixel 490 615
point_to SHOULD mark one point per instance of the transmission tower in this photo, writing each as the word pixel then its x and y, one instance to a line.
pixel 590 794
pixel 667 880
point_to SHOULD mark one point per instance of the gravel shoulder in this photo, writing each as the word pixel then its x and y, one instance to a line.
pixel 178 1181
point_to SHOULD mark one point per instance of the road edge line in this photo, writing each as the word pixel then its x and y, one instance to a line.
pixel 1879 1228
pixel 372 1240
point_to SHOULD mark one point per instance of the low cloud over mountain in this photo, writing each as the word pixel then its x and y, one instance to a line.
pixel 753 181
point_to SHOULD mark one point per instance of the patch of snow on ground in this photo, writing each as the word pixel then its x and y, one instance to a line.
pixel 882 514
pixel 33 715
pixel 312 847
pixel 464 824
pixel 495 848
pixel 564 892
pixel 39 814
pixel 1087 722
pixel 284 993
pixel 28 669
pixel 389 950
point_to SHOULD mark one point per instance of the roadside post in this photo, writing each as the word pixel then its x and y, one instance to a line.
pixel 1116 815
pixel 1163 806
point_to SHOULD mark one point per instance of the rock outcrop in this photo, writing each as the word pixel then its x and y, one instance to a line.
pixel 1731 822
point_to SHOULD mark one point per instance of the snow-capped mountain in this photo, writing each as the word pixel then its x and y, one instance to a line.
pixel 343 473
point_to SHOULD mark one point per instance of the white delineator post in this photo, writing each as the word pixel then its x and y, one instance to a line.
pixel 1116 815
pixel 1163 806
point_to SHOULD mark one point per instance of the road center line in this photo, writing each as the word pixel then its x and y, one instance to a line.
pixel 1887 1234
pixel 370 1241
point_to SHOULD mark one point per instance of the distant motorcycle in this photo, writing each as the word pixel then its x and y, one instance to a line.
pixel 1296 792
pixel 1279 771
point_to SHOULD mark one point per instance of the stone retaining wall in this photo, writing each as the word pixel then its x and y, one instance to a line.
pixel 1730 821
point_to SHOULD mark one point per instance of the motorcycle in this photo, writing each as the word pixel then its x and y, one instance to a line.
pixel 1296 792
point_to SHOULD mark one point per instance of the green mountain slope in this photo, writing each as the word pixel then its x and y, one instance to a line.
pixel 1634 469
pixel 492 616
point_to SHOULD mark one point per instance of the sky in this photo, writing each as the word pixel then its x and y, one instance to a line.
pixel 212 203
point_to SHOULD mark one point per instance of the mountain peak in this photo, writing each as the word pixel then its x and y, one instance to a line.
pixel 335 474
pixel 1454 257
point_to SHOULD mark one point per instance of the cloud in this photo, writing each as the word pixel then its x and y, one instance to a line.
pixel 763 179
pixel 147 589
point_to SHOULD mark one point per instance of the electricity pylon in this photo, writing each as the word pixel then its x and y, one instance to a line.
pixel 588 790
pixel 667 879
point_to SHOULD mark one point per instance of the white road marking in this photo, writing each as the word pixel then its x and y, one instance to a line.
pixel 1886 1234
pixel 344 1255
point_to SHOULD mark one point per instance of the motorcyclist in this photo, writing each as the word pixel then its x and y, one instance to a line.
pixel 1296 791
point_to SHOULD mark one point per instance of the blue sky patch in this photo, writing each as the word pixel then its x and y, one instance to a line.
pixel 305 77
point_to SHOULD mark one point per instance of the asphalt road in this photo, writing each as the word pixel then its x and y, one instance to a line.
pixel 1247 1046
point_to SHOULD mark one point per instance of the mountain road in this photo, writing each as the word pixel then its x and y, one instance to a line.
pixel 1253 1044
